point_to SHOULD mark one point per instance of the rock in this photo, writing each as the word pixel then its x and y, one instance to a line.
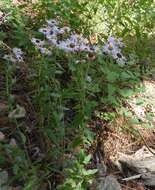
pixel 2 136
pixel 4 180
pixel 140 162
pixel 149 179
pixel 109 183
pixel 3 108
pixel 13 142
pixel 102 169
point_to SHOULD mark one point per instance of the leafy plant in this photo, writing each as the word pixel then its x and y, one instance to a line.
pixel 59 91
pixel 78 177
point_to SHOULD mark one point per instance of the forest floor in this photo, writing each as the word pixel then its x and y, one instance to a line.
pixel 118 136
pixel 126 136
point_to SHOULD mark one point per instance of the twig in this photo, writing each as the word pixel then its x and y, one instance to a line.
pixel 145 142
pixel 132 177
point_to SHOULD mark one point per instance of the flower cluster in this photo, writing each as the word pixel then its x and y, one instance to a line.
pixel 18 53
pixel 15 56
pixel 113 49
pixel 55 36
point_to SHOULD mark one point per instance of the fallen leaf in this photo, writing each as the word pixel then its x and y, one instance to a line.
pixel 17 113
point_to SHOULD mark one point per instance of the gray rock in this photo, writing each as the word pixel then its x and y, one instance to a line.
pixel 4 180
pixel 149 179
pixel 102 169
pixel 109 183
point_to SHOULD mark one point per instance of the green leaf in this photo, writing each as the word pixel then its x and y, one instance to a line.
pixel 149 116
pixel 148 125
pixel 125 76
pixel 135 121
pixel 139 101
pixel 87 159
pixel 90 172
pixel 76 142
pixel 23 137
pixel 128 113
pixel 112 76
pixel 111 89
pixel 88 136
pixel 126 92
pixel 2 35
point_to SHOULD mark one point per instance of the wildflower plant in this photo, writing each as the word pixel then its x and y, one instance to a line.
pixel 76 42
pixel 59 64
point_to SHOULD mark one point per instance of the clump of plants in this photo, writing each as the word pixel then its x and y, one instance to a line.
pixel 58 70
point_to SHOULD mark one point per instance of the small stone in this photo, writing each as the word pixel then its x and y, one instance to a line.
pixel 102 169
pixel 4 180
pixel 13 142
pixel 149 179
pixel 2 136
pixel 3 108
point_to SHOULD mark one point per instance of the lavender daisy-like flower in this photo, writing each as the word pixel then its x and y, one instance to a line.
pixel 67 46
pixel 115 52
pixel 57 30
pixel 66 29
pixel 18 53
pixel 52 41
pixel 45 51
pixel 113 49
pixel 83 47
pixel 73 38
pixel 45 31
pixel 37 42
pixel 95 49
pixel 111 40
pixel 106 49
pixel 10 58
pixel 120 42
pixel 121 61
pixel 76 43
pixel 52 22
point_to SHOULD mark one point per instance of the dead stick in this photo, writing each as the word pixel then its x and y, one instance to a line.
pixel 145 142
pixel 132 177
